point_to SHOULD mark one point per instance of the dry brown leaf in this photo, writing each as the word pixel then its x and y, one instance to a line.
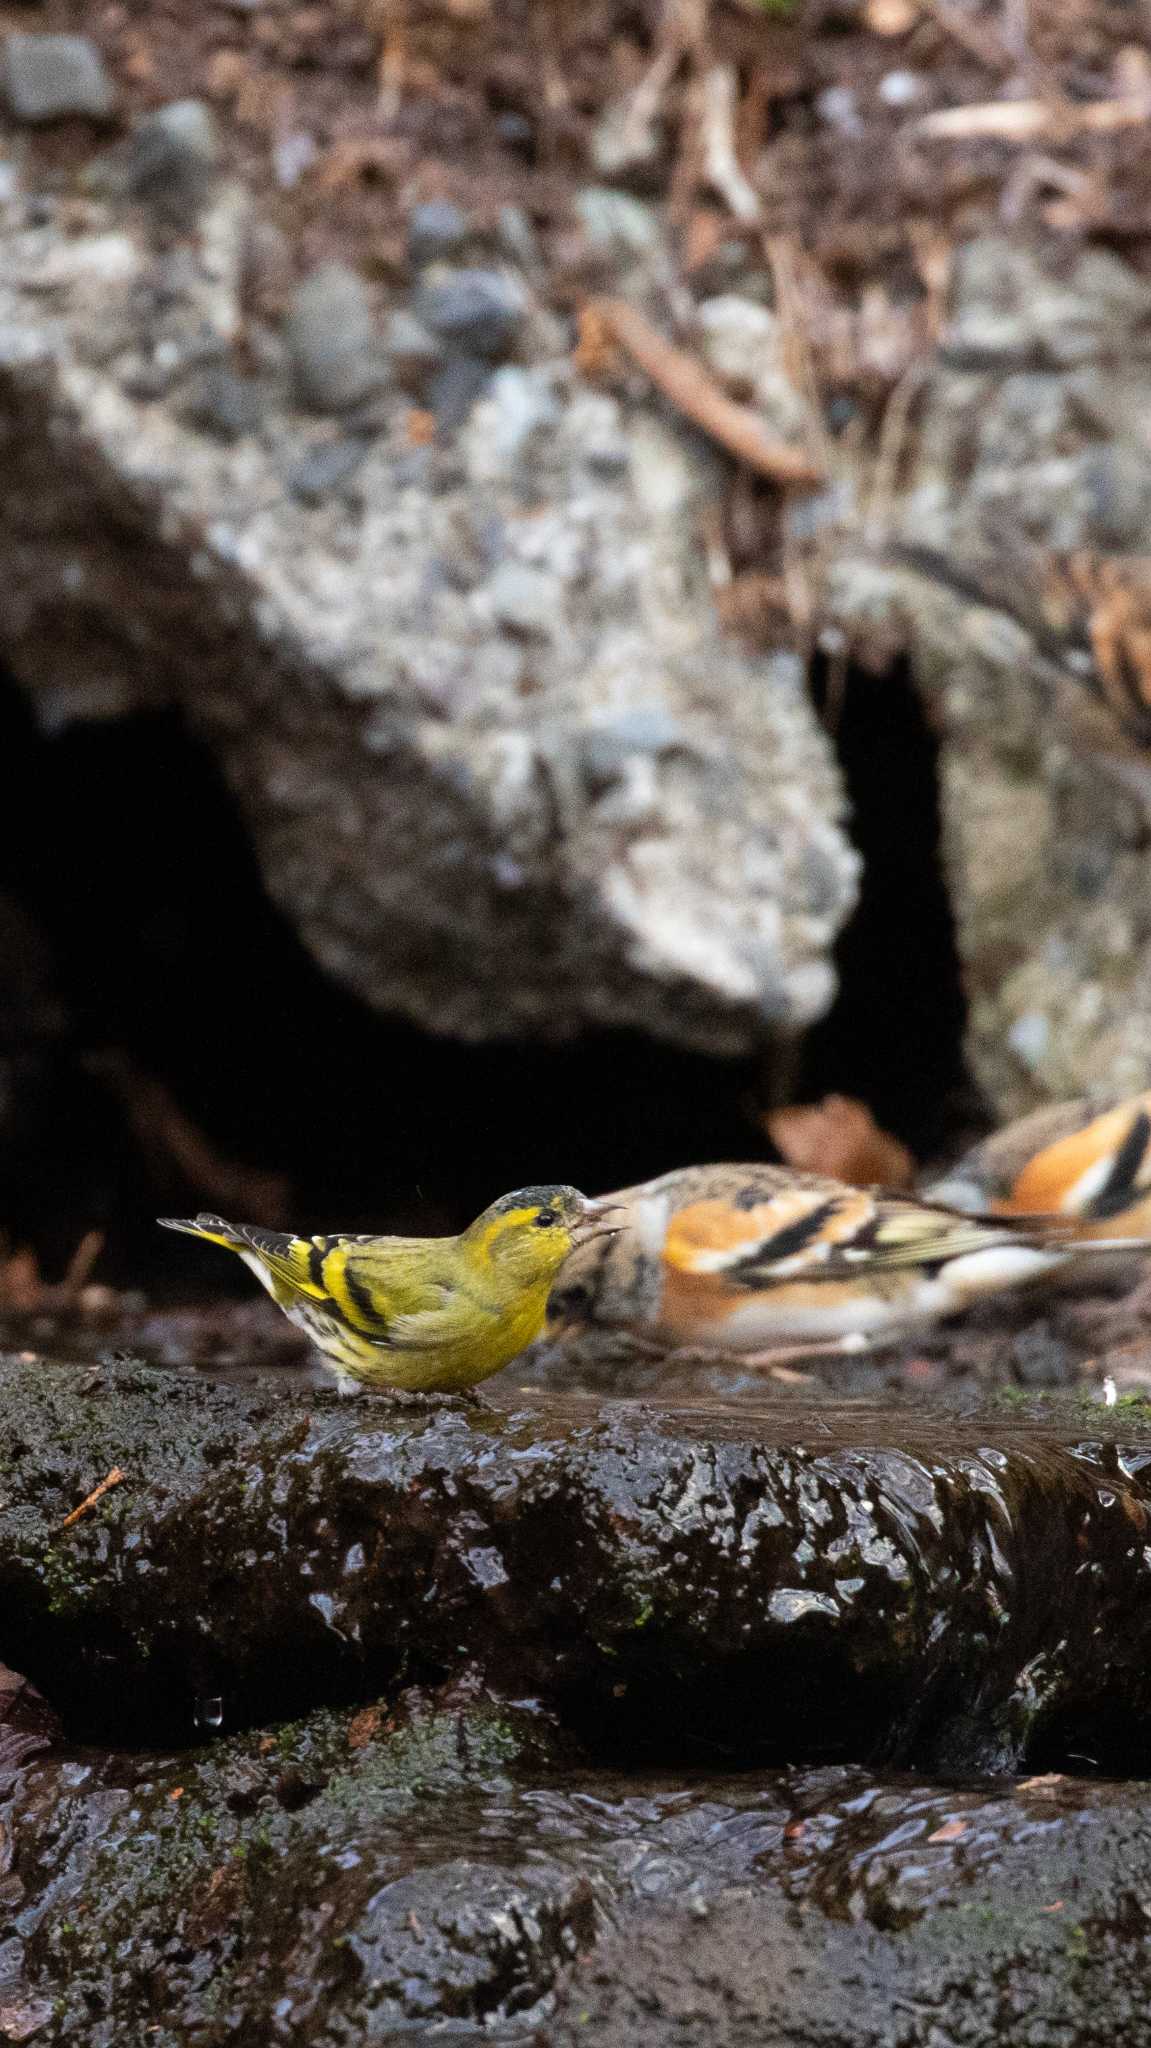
pixel 840 1136
pixel 363 1727
pixel 951 1831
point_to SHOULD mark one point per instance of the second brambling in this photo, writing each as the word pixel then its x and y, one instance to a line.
pixel 1076 1159
pixel 754 1258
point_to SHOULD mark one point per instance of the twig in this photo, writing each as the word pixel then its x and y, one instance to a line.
pixel 979 40
pixel 892 440
pixel 718 97
pixel 81 1263
pixel 1031 120
pixel 114 1478
pixel 169 1135
pixel 798 356
pixel 695 392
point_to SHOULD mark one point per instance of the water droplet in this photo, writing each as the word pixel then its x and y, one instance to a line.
pixel 209 1711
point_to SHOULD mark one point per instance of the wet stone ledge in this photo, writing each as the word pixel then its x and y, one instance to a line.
pixel 674 1586
pixel 369 1876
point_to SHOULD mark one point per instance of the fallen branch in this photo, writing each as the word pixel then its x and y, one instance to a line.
pixel 695 392
pixel 1031 120
pixel 114 1478
pixel 979 39
pixel 718 94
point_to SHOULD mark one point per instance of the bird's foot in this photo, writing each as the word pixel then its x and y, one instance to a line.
pixel 410 1398
pixel 778 1361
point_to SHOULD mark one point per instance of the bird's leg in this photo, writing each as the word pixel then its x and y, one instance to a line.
pixel 777 1360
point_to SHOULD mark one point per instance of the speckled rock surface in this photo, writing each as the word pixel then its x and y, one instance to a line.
pixel 1012 568
pixel 502 770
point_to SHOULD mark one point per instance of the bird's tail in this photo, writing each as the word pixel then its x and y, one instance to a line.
pixel 213 1228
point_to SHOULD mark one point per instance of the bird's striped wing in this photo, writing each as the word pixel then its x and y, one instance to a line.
pixel 1097 1172
pixel 814 1234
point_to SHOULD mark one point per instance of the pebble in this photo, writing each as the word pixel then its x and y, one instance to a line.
pixel 515 131
pixel 839 107
pixel 322 470
pixel 332 339
pixel 901 88
pixel 738 337
pixel 454 389
pixel 436 229
pixel 616 225
pixel 224 404
pixel 517 236
pixel 412 353
pixel 477 312
pixel 172 159
pixel 525 600
pixel 606 747
pixel 46 78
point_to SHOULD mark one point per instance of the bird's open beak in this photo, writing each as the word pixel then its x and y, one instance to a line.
pixel 602 1218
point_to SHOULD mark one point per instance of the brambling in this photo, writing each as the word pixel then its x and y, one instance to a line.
pixel 1066 1159
pixel 430 1315
pixel 754 1258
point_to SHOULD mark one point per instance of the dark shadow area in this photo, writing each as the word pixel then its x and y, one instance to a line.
pixel 169 964
pixel 156 1009
pixel 894 1036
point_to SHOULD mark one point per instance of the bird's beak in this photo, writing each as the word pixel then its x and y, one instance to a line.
pixel 602 1218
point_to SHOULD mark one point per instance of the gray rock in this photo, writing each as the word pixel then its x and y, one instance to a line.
pixel 478 312
pixel 454 389
pixel 172 159
pixel 332 339
pixel 515 131
pixel 526 600
pixel 412 353
pixel 323 470
pixel 517 237
pixel 46 78
pixel 617 225
pixel 711 909
pixel 1012 304
pixel 838 105
pixel 436 230
pixel 1030 450
pixel 611 743
pixel 225 404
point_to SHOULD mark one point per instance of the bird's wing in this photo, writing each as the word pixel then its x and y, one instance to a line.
pixel 1096 1171
pixel 397 1291
pixel 821 1233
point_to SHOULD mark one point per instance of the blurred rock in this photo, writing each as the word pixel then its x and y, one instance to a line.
pixel 324 469
pixel 464 616
pixel 46 78
pixel 742 342
pixel 332 338
pixel 223 403
pixel 436 230
pixel 454 389
pixel 1016 579
pixel 477 312
pixel 617 225
pixel 172 159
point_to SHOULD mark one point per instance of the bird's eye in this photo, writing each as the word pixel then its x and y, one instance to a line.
pixel 545 1219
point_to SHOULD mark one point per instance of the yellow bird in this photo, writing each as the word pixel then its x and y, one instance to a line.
pixel 429 1315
